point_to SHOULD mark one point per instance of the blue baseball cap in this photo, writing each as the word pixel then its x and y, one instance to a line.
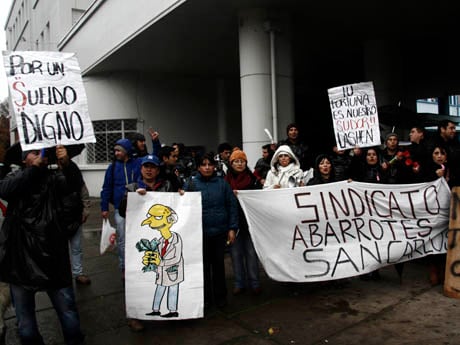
pixel 150 159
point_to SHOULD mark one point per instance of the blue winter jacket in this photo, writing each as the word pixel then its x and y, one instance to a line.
pixel 219 205
pixel 117 176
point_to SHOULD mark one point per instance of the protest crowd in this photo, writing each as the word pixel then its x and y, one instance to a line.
pixel 290 163
pixel 287 164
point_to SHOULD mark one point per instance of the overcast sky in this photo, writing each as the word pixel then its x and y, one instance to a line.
pixel 4 9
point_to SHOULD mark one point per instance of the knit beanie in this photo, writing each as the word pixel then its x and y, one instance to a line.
pixel 389 135
pixel 238 154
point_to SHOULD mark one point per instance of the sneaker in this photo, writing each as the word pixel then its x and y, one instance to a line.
pixel 83 279
pixel 135 325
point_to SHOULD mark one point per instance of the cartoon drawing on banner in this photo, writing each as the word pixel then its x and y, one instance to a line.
pixel 163 256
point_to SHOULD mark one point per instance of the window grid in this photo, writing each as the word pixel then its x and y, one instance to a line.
pixel 107 132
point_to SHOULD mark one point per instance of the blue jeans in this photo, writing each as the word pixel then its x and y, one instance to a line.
pixel 63 301
pixel 173 294
pixel 245 262
pixel 76 254
pixel 120 225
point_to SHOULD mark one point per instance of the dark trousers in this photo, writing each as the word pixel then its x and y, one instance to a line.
pixel 63 301
pixel 215 288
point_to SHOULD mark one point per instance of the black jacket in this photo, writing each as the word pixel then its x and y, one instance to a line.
pixel 43 206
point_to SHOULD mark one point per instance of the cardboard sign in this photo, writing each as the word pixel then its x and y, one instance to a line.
pixel 354 115
pixel 48 97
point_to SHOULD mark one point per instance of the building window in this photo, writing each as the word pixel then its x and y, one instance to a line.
pixel 107 133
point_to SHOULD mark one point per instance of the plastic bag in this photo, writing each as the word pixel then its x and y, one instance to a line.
pixel 108 237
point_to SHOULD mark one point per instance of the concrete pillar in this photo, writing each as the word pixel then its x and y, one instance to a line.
pixel 443 105
pixel 255 26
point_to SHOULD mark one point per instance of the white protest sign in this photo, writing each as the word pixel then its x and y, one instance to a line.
pixel 163 256
pixel 354 115
pixel 48 97
pixel 344 229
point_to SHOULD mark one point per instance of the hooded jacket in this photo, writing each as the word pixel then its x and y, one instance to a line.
pixel 219 205
pixel 279 175
pixel 117 176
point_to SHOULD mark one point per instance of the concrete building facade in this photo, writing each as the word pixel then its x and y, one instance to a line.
pixel 202 72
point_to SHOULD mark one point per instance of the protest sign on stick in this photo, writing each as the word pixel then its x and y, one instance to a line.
pixel 48 98
pixel 354 115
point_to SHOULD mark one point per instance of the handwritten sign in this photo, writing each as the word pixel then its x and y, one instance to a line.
pixel 354 115
pixel 48 97
pixel 163 250
pixel 344 229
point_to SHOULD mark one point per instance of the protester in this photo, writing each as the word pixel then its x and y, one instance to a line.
pixel 323 171
pixel 341 161
pixel 76 251
pixel 44 210
pixel 224 150
pixel 263 164
pixel 366 166
pixel 122 171
pixel 185 163
pixel 139 146
pixel 393 161
pixel 149 180
pixel 244 258
pixel 285 170
pixel 368 170
pixel 168 171
pixel 447 137
pixel 220 221
pixel 299 148
pixel 419 154
pixel 438 167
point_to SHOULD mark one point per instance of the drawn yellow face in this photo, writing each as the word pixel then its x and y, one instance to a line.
pixel 159 217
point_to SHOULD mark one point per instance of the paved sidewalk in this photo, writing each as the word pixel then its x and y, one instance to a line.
pixel 355 312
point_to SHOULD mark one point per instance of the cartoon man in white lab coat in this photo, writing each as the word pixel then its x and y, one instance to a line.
pixel 167 259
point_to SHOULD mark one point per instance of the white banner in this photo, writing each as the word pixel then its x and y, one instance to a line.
pixel 164 281
pixel 354 115
pixel 344 229
pixel 48 97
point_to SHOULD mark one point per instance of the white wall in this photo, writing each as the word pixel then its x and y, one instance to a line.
pixel 182 110
pixel 50 17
